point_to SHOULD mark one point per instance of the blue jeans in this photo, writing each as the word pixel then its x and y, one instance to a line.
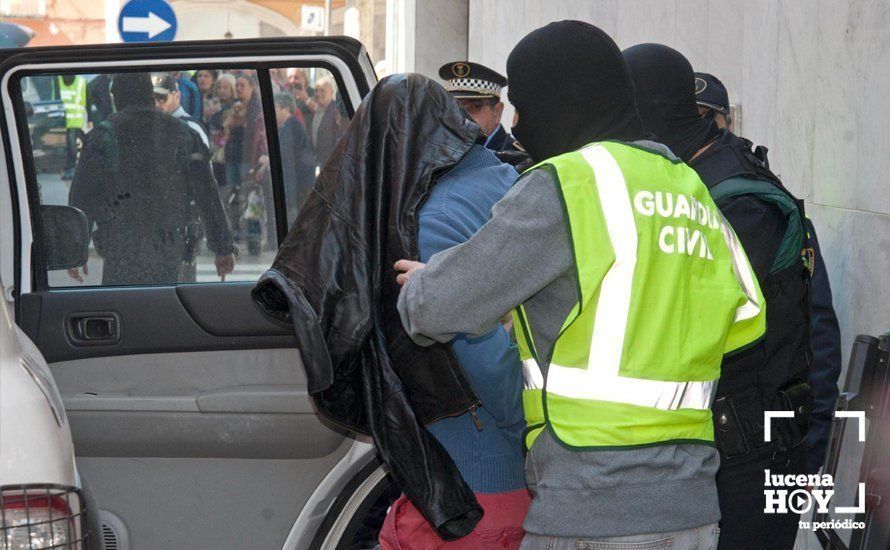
pixel 698 538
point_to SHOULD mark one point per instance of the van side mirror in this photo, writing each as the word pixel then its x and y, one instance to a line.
pixel 66 235
pixel 29 109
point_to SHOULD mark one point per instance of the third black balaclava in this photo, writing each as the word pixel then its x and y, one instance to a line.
pixel 571 87
pixel 665 90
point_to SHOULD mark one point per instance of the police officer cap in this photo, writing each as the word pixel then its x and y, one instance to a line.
pixel 711 93
pixel 466 80
pixel 164 84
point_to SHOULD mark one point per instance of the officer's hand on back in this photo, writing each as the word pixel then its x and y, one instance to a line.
pixel 520 160
pixel 408 267
pixel 225 264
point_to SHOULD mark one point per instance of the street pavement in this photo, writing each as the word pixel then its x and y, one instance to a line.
pixel 52 189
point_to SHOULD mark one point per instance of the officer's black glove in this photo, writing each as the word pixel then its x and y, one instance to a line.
pixel 518 159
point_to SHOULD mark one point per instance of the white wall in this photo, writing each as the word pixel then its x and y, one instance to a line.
pixel 440 34
pixel 814 85
pixel 211 19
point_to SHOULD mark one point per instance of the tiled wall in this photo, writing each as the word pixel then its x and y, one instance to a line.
pixel 813 80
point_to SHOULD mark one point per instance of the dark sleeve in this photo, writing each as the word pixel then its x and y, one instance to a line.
pixel 206 196
pixel 760 227
pixel 825 341
pixel 90 176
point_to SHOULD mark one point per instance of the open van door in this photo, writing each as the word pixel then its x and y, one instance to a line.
pixel 188 408
pixel 858 454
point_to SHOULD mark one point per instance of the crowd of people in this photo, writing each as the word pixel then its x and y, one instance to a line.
pixel 227 105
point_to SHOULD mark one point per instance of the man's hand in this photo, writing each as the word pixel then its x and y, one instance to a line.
pixel 407 267
pixel 225 264
pixel 74 273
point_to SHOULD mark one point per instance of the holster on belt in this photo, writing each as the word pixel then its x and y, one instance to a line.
pixel 739 421
pixel 728 433
pixel 791 432
pixel 193 232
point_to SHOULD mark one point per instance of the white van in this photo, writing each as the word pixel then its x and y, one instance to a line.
pixel 41 498
pixel 187 408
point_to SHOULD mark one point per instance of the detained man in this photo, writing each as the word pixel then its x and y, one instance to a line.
pixel 410 175
pixel 485 444
pixel 623 312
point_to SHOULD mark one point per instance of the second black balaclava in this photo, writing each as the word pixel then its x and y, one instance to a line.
pixel 570 86
pixel 665 91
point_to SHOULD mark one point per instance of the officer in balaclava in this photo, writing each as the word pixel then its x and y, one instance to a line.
pixel 142 177
pixel 713 100
pixel 774 374
pixel 620 272
pixel 825 335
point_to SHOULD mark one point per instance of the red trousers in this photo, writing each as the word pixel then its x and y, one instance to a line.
pixel 500 526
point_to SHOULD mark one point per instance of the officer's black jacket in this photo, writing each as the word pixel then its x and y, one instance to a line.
pixel 141 178
pixel 754 377
pixel 500 140
pixel 825 340
pixel 334 280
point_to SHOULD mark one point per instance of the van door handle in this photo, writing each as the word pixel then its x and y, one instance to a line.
pixel 90 329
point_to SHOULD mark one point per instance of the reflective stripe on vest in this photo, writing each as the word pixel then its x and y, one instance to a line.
pixel 633 391
pixel 596 399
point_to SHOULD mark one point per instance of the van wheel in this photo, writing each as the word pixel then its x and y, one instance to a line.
pixel 355 519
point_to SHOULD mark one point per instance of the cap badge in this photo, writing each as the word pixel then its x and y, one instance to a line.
pixel 460 70
pixel 700 85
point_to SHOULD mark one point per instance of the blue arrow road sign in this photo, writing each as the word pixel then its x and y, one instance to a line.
pixel 147 21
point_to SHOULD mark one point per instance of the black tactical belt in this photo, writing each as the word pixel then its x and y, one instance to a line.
pixel 739 420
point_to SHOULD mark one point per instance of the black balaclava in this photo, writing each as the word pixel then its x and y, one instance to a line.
pixel 665 86
pixel 571 87
pixel 132 90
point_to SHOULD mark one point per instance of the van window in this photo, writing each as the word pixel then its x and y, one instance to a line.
pixel 172 168
pixel 310 116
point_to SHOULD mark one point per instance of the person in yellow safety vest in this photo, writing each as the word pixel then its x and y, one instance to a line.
pixel 628 288
pixel 73 93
